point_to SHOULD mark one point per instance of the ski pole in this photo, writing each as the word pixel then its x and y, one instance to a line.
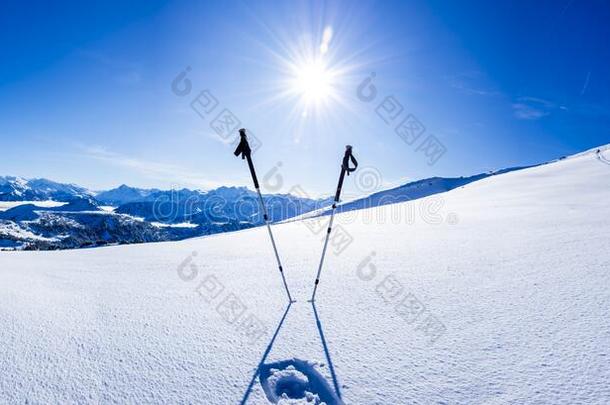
pixel 244 150
pixel 345 169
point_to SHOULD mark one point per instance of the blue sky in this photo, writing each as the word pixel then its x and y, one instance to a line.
pixel 86 90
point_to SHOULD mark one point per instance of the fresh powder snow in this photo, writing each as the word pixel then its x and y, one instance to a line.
pixel 491 293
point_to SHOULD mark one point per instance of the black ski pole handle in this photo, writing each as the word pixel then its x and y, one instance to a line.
pixel 345 168
pixel 245 151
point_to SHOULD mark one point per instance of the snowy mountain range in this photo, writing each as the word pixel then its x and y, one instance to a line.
pixel 20 189
pixel 42 214
pixel 125 194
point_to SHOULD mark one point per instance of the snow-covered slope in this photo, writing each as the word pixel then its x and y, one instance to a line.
pixel 407 192
pixel 507 303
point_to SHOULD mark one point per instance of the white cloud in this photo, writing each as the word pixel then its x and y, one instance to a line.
pixel 532 108
pixel 165 172
pixel 473 83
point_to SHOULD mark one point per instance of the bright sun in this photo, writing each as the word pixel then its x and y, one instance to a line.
pixel 313 78
pixel 313 81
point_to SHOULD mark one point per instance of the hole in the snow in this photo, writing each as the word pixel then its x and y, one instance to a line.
pixel 291 385
pixel 296 380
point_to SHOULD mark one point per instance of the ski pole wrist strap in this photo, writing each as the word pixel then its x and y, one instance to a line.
pixel 346 160
pixel 243 148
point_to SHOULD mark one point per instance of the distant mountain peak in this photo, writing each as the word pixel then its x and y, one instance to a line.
pixel 19 189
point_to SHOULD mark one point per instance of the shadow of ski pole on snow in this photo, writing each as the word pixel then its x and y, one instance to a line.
pixel 326 352
pixel 267 351
pixel 295 378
